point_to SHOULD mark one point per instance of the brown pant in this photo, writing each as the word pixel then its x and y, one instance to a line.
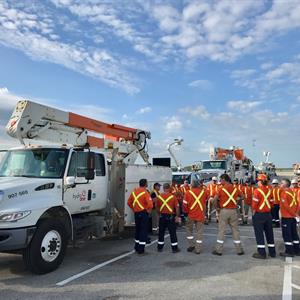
pixel 198 232
pixel 230 217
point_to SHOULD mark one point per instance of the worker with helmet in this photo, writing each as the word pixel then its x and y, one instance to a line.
pixel 289 208
pixel 212 189
pixel 295 186
pixel 141 204
pixel 248 194
pixel 262 219
pixel 240 207
pixel 227 199
pixel 276 191
pixel 195 204
pixel 154 217
pixel 167 207
pixel 177 193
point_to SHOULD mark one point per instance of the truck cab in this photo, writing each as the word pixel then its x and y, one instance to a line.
pixel 211 168
pixel 42 188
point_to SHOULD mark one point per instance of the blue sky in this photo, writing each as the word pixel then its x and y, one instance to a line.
pixel 216 73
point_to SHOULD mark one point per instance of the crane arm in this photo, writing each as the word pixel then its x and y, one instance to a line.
pixel 31 120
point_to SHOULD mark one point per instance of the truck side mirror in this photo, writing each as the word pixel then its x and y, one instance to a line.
pixel 90 174
pixel 70 182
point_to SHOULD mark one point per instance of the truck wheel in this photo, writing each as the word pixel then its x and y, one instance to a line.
pixel 47 248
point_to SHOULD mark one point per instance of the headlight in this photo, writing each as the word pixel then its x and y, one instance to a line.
pixel 1 195
pixel 15 216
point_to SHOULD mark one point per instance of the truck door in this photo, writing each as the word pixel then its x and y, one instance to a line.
pixel 86 195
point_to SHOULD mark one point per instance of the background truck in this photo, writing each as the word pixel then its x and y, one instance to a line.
pixel 69 184
pixel 231 161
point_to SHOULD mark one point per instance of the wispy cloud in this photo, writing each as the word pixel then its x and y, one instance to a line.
pixel 144 110
pixel 243 106
pixel 202 84
pixel 40 40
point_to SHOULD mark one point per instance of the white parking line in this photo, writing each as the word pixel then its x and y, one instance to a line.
pixel 81 274
pixel 287 279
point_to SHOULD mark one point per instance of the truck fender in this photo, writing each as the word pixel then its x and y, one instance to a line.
pixel 61 212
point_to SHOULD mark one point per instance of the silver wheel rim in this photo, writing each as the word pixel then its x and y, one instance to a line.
pixel 51 246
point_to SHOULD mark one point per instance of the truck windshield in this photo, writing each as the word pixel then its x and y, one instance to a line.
pixel 214 165
pixel 39 163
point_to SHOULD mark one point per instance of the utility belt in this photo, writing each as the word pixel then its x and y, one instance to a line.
pixel 141 212
pixel 167 216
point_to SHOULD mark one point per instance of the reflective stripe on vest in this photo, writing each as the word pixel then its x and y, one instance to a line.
pixel 165 203
pixel 136 199
pixel 294 202
pixel 197 199
pixel 278 194
pixel 230 196
pixel 266 201
pixel 245 191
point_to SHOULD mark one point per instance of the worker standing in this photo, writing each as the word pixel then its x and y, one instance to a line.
pixel 195 203
pixel 212 189
pixel 141 204
pixel 295 186
pixel 276 190
pixel 247 192
pixel 168 210
pixel 262 219
pixel 228 196
pixel 289 209
pixel 154 217
pixel 240 207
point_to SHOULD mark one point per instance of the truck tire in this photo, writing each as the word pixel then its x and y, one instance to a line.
pixel 47 248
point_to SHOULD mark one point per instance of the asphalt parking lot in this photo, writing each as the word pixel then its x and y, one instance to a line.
pixel 109 269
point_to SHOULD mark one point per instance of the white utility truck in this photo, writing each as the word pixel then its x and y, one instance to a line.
pixel 70 184
pixel 231 161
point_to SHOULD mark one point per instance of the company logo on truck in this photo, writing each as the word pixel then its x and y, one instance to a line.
pixel 81 196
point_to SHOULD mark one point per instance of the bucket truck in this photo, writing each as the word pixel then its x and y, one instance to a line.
pixel 65 181
pixel 231 161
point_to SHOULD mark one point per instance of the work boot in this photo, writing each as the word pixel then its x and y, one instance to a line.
pixel 176 250
pixel 190 249
pixel 198 251
pixel 259 256
pixel 241 252
pixel 215 252
pixel 284 254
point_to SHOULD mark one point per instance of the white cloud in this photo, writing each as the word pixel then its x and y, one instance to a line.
pixel 35 41
pixel 7 99
pixel 197 111
pixel 173 124
pixel 243 106
pixel 144 110
pixel 202 84
pixel 204 147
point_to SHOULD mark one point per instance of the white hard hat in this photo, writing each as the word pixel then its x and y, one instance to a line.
pixel 294 181
pixel 214 178
pixel 274 181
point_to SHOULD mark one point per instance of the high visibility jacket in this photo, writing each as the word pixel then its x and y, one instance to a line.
pixel 195 203
pixel 276 191
pixel 184 189
pixel 288 204
pixel 166 204
pixel 140 200
pixel 228 196
pixel 262 199
pixel 154 194
pixel 238 186
pixel 248 194
pixel 212 189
